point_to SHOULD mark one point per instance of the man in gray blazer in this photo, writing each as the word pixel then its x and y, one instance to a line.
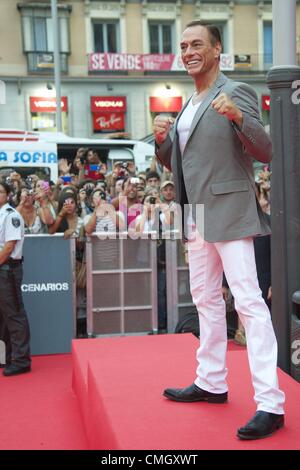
pixel 210 150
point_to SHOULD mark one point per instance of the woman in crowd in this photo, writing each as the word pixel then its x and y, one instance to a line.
pixel 147 221
pixel 51 203
pixel 36 220
pixel 104 217
pixel 67 220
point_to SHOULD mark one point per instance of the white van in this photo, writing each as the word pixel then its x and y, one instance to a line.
pixel 38 153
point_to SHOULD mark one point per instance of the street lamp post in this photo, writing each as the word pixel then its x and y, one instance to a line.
pixel 56 64
pixel 285 194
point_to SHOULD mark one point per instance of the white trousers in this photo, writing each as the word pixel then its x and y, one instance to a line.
pixel 207 262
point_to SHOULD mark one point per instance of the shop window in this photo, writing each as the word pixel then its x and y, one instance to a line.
pixel 43 114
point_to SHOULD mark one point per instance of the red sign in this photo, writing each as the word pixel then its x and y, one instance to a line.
pixel 265 102
pixel 108 122
pixel 171 104
pixel 108 104
pixel 46 105
pixel 154 62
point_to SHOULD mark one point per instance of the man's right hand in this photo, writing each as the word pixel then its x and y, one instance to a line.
pixel 161 128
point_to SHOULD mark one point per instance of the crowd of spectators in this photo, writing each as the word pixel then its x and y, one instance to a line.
pixel 87 198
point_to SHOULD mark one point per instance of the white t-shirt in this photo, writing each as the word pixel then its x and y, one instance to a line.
pixel 185 122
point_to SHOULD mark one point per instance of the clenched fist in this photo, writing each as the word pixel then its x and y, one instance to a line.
pixel 161 128
pixel 226 107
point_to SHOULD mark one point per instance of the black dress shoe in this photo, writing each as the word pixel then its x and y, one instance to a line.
pixel 4 365
pixel 262 425
pixel 12 369
pixel 193 393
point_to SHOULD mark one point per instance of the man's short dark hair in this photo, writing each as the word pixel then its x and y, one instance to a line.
pixel 152 174
pixel 214 32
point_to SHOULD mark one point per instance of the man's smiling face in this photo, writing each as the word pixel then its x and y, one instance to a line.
pixel 198 54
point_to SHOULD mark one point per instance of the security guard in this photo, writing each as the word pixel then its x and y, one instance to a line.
pixel 14 327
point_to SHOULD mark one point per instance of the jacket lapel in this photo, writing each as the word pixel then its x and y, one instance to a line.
pixel 213 92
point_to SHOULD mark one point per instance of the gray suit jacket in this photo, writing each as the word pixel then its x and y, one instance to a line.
pixel 216 167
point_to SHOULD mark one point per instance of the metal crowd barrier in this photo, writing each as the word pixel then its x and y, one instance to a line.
pixel 121 285
pixel 49 292
pixel 179 299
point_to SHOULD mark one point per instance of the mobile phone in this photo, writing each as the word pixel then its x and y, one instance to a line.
pixel 68 201
pixel 94 167
pixel 152 200
pixel 134 180
pixel 45 185
pixel 66 179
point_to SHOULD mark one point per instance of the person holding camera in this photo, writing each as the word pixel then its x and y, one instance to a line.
pixel 118 174
pixel 67 220
pixel 34 209
pixel 91 166
pixel 36 220
pixel 155 215
pixel 43 187
pixel 127 202
pixel 104 218
pixel 14 326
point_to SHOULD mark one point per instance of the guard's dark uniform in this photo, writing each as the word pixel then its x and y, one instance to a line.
pixel 14 327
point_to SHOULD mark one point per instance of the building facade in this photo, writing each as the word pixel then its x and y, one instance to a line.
pixel 120 60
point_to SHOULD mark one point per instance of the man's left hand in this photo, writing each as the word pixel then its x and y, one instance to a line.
pixel 226 107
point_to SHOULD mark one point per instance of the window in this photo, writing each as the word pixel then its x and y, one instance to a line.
pixel 38 45
pixel 38 30
pixel 161 38
pixel 268 46
pixel 106 37
pixel 224 34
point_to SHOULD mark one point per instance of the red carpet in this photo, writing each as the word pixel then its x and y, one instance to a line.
pixel 119 382
pixel 39 410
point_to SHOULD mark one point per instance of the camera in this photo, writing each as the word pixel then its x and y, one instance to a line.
pixel 134 180
pixel 28 185
pixel 45 185
pixel 152 200
pixel 28 182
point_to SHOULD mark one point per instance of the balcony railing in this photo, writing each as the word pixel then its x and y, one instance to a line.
pixel 43 62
